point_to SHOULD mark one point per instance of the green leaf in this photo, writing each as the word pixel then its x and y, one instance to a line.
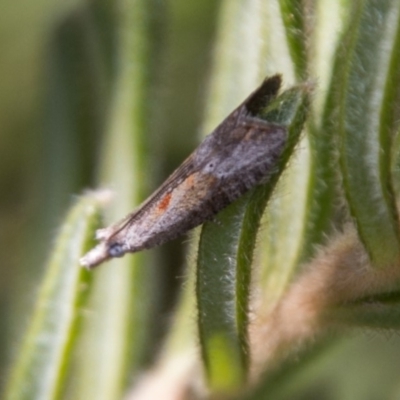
pixel 390 120
pixel 225 256
pixel 218 300
pixel 40 370
pixel 297 16
pixel 364 130
pixel 321 187
pixel 377 312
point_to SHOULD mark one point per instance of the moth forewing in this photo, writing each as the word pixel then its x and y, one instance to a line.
pixel 239 154
pixel 261 145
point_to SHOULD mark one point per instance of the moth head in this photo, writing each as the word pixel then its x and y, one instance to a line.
pixel 115 249
pixel 102 252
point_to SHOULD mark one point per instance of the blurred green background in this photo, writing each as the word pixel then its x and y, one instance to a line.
pixel 53 104
pixel 56 78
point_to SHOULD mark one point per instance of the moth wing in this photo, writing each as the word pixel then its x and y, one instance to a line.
pixel 263 95
pixel 261 145
pixel 258 99
pixel 179 175
pixel 225 140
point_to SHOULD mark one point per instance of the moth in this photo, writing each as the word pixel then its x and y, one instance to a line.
pixel 240 153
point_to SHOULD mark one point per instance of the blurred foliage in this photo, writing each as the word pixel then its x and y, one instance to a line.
pixel 116 94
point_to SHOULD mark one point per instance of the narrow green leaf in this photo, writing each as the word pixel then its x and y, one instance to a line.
pixel 377 312
pixel 225 256
pixel 322 187
pixel 297 18
pixel 365 153
pixel 329 67
pixel 396 163
pixel 390 122
pixel 40 369
pixel 218 303
pixel 391 112
pixel 329 19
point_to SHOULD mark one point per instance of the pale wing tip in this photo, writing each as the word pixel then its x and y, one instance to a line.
pixel 95 256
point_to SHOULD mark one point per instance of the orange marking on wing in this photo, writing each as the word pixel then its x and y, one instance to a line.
pixel 194 188
pixel 189 181
pixel 164 202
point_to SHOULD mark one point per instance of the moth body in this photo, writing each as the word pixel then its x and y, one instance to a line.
pixel 241 153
